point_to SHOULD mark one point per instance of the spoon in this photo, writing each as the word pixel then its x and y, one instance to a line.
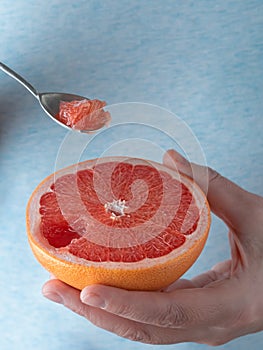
pixel 49 101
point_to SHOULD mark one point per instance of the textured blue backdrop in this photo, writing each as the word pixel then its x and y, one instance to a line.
pixel 200 59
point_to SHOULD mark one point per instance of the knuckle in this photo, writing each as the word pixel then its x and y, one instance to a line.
pixel 124 310
pixel 79 309
pixel 218 342
pixel 214 336
pixel 214 175
pixel 138 334
pixel 173 316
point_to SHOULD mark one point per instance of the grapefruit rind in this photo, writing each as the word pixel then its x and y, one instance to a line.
pixel 147 274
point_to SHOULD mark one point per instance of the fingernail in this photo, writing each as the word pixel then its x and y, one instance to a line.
pixel 93 299
pixel 173 159
pixel 53 297
pixel 177 157
pixel 169 161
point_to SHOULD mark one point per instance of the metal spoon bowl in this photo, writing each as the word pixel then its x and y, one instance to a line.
pixel 49 101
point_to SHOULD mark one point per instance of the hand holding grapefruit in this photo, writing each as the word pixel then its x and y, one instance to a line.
pixel 124 222
pixel 213 308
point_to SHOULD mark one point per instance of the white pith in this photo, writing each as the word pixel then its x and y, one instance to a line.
pixel 200 199
pixel 115 208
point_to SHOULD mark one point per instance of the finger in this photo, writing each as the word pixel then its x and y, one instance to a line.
pixel 200 174
pixel 168 310
pixel 62 293
pixel 218 272
pixel 146 333
pixel 181 283
pixel 227 200
pixel 209 277
pixel 223 267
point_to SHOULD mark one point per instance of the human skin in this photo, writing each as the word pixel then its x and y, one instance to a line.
pixel 213 308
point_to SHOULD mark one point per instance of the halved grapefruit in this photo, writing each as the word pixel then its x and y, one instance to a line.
pixel 124 222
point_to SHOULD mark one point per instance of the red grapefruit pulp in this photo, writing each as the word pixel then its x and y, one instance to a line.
pixel 84 114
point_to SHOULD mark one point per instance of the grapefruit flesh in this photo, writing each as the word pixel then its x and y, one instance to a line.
pixel 84 114
pixel 129 223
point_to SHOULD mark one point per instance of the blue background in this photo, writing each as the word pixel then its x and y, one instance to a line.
pixel 203 60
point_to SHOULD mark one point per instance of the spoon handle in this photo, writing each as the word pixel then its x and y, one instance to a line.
pixel 20 79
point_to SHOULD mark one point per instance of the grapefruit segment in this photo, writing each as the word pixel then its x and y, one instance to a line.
pixel 84 114
pixel 120 221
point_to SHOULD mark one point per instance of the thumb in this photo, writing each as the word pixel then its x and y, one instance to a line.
pixel 235 206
